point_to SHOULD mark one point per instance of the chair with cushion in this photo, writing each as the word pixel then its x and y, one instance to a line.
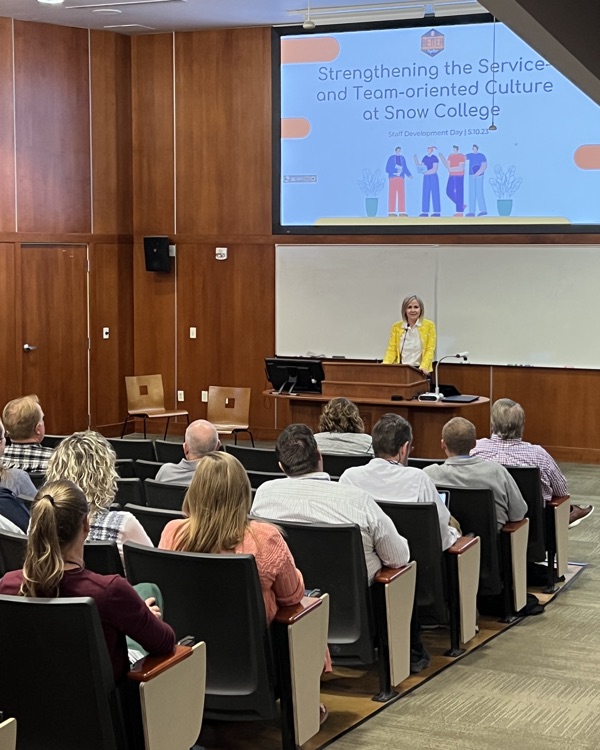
pixel 447 581
pixel 146 400
pixel 147 469
pixel 229 410
pixel 12 552
pixel 103 558
pixel 130 490
pixel 153 520
pixel 70 700
pixel 366 623
pixel 250 666
pixel 125 468
pixel 164 495
pixel 335 464
pixel 134 449
pixel 167 452
pixel 255 459
pixel 503 568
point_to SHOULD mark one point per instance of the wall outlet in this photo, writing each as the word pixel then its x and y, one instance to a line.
pixel 106 332
pixel 221 253
pixel 172 251
pixel 204 397
pixel 180 396
pixel 192 332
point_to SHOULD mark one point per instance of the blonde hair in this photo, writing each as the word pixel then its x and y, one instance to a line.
pixel 58 513
pixel 406 302
pixel 507 419
pixel 21 416
pixel 217 504
pixel 86 458
pixel 341 415
pixel 459 435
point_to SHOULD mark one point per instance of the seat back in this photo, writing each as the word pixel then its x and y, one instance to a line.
pixel 475 510
pixel 164 495
pixel 217 599
pixel 103 558
pixel 38 478
pixel 153 520
pixel 146 469
pixel 332 559
pixel 260 477
pixel 57 680
pixel 255 459
pixel 12 551
pixel 229 406
pixel 144 392
pixel 130 490
pixel 133 448
pixel 419 524
pixel 528 481
pixel 51 441
pixel 421 463
pixel 336 464
pixel 125 468
pixel 168 452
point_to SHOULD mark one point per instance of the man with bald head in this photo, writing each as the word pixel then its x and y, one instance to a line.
pixel 201 437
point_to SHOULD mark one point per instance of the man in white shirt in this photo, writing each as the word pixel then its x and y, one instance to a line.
pixel 201 437
pixel 387 476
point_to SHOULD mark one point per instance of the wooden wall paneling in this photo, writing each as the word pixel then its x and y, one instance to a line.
pixel 474 379
pixel 231 304
pixel 112 181
pixel 7 114
pixel 111 305
pixel 223 105
pixel 10 324
pixel 53 128
pixel 153 139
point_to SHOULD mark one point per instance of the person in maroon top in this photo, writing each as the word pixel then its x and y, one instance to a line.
pixel 54 567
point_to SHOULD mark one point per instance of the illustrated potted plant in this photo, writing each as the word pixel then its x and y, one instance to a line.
pixel 505 185
pixel 371 184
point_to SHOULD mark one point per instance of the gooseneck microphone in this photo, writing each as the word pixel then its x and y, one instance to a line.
pixel 436 395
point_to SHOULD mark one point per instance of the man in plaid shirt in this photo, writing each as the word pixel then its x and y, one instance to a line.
pixel 24 423
pixel 507 447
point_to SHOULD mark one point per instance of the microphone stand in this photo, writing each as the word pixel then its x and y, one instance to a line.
pixel 436 395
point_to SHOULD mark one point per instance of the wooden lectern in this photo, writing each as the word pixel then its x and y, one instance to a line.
pixel 360 380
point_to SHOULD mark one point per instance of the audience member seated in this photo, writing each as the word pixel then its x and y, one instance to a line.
pixel 15 480
pixel 387 476
pixel 341 429
pixel 54 567
pixel 507 447
pixel 24 422
pixel 462 470
pixel 88 459
pixel 14 509
pixel 201 437
pixel 6 525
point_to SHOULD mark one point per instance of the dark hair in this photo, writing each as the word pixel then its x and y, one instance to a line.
pixel 390 432
pixel 296 450
pixel 341 415
pixel 459 435
pixel 56 518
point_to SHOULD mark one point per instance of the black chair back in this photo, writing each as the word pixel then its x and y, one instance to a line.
pixel 12 551
pixel 103 558
pixel 421 463
pixel 146 469
pixel 255 459
pixel 58 645
pixel 130 490
pixel 336 464
pixel 419 524
pixel 125 468
pixel 133 448
pixel 38 478
pixel 51 441
pixel 163 495
pixel 260 477
pixel 475 510
pixel 167 452
pixel 218 599
pixel 528 481
pixel 153 520
pixel 332 559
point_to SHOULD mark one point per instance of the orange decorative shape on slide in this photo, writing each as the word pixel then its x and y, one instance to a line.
pixel 309 50
pixel 587 157
pixel 294 127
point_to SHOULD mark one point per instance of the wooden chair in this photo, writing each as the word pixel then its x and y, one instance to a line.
pixel 146 400
pixel 8 734
pixel 229 410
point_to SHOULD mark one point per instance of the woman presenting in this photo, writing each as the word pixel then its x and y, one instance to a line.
pixel 412 339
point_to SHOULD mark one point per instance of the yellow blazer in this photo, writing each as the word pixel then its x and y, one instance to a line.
pixel 427 334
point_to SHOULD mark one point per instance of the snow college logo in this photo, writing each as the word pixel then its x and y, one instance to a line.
pixel 432 43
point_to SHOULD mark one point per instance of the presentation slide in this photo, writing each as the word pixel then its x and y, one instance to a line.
pixel 462 125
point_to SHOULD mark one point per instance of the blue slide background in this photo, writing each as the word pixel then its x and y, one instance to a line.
pixel 538 133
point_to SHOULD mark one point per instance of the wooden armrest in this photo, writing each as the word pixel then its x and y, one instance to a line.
pixel 556 501
pixel 387 575
pixel 462 544
pixel 151 666
pixel 512 526
pixel 293 613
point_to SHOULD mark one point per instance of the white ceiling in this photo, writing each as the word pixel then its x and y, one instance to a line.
pixel 150 16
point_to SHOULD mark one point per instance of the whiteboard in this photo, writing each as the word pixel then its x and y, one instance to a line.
pixel 504 304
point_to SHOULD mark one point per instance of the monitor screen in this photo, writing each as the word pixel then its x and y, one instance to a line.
pixel 441 125
pixel 294 374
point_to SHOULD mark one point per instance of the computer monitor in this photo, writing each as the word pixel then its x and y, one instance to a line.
pixel 294 374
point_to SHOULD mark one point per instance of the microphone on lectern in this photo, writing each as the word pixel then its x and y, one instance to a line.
pixel 436 395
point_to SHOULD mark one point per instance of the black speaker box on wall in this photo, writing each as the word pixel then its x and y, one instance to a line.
pixel 156 252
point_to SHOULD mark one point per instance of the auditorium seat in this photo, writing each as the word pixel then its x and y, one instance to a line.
pixel 153 520
pixel 255 459
pixel 146 469
pixel 260 477
pixel 103 558
pixel 130 490
pixel 167 452
pixel 38 478
pixel 164 495
pixel 125 468
pixel 219 596
pixel 335 464
pixel 12 552
pixel 133 448
pixel 421 463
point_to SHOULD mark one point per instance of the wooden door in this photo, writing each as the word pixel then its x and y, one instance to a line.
pixel 54 345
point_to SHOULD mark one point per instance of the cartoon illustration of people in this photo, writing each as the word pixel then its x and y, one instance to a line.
pixel 397 170
pixel 477 166
pixel 428 166
pixel 455 189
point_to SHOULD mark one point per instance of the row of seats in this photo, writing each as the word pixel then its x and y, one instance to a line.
pixel 163 451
